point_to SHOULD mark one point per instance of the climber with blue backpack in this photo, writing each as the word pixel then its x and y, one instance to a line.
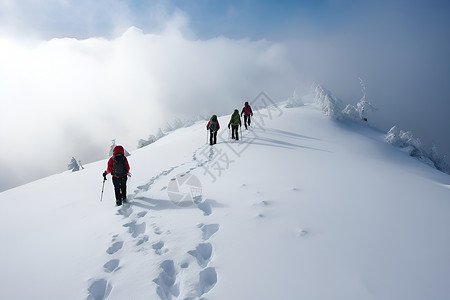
pixel 119 168
pixel 213 126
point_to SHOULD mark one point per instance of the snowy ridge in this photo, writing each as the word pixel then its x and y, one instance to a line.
pixel 177 123
pixel 300 208
pixel 332 107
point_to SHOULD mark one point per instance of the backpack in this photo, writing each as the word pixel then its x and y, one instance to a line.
pixel 213 123
pixel 247 110
pixel 235 119
pixel 120 168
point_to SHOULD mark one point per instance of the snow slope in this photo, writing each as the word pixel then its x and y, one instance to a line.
pixel 302 208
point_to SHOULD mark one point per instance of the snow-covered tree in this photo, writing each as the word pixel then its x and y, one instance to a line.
pixel 160 134
pixel 439 160
pixel 113 144
pixel 359 112
pixel 177 123
pixel 151 139
pixel 295 100
pixel 330 105
pixel 73 165
pixel 364 106
pixel 402 138
pixel 168 127
pixel 413 146
pixel 351 112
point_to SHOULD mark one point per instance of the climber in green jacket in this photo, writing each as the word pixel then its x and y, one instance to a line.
pixel 235 121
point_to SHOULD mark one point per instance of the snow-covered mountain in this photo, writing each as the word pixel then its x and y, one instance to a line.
pixel 302 207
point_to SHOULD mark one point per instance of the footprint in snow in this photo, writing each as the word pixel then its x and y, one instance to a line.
pixel 141 214
pixel 166 281
pixel 111 265
pixel 99 289
pixel 115 247
pixel 205 207
pixel 207 280
pixel 143 240
pixel 209 230
pixel 125 210
pixel 135 229
pixel 263 203
pixel 158 247
pixel 202 253
pixel 157 230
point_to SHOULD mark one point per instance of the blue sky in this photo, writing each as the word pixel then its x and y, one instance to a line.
pixel 210 18
pixel 399 48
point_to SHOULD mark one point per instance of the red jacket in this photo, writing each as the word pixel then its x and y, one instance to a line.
pixel 117 150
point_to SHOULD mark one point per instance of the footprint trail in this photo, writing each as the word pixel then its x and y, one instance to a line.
pixel 181 273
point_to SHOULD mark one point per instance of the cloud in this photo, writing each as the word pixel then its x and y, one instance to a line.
pixel 62 18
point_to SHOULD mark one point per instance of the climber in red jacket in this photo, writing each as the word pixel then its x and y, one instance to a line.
pixel 118 167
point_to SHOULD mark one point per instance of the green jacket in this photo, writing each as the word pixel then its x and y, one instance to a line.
pixel 235 118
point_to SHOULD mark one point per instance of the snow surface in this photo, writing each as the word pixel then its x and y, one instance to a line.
pixel 304 207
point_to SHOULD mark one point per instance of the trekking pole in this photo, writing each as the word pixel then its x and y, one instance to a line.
pixel 103 186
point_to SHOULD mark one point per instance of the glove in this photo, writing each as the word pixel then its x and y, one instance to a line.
pixel 104 175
